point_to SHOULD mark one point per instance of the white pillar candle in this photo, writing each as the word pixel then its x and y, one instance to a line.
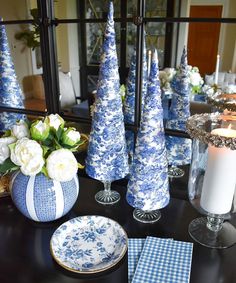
pixel 217 68
pixel 149 60
pixel 220 177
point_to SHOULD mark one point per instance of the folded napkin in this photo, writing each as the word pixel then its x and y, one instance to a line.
pixel 164 260
pixel 135 247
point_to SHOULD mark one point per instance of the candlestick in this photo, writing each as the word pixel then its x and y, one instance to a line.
pixel 220 178
pixel 217 68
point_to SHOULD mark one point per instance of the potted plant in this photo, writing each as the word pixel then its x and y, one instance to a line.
pixel 45 185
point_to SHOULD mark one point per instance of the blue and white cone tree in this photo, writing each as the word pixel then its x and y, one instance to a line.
pixel 129 103
pixel 107 158
pixel 179 149
pixel 148 187
pixel 10 92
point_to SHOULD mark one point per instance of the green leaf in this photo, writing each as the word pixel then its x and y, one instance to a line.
pixel 44 171
pixel 58 146
pixel 12 146
pixel 45 149
pixel 7 134
pixel 59 133
pixel 80 166
pixel 8 166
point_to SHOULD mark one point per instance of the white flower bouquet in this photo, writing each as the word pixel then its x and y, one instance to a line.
pixel 166 76
pixel 44 146
pixel 195 80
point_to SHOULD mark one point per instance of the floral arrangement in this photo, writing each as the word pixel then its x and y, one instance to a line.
pixel 166 76
pixel 44 146
pixel 194 78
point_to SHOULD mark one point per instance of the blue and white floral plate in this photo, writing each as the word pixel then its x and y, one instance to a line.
pixel 89 244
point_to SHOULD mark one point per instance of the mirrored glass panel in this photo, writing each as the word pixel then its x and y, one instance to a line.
pixel 21 61
pixel 94 39
pixel 131 41
pixel 155 39
pixel 209 9
pixel 12 10
pixel 95 9
pixel 64 9
pixel 131 8
pixel 71 100
pixel 156 9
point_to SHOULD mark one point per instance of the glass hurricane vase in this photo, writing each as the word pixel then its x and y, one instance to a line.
pixel 212 179
pixel 107 196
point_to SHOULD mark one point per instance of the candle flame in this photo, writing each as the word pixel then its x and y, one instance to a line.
pixel 230 126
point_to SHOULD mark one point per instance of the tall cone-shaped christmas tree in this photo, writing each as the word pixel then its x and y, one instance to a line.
pixel 107 158
pixel 129 103
pixel 148 187
pixel 10 92
pixel 179 149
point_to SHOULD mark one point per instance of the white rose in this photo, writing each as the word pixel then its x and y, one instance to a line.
pixel 4 149
pixel 54 121
pixel 195 79
pixel 170 72
pixel 28 154
pixel 61 165
pixel 20 130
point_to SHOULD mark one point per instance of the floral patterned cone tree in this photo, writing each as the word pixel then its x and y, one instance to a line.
pixel 107 158
pixel 129 103
pixel 179 149
pixel 148 187
pixel 10 92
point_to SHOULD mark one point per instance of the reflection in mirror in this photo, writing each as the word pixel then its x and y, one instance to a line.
pixel 131 41
pixel 131 8
pixel 155 39
pixel 24 44
pixel 71 100
pixel 12 10
pixel 208 9
pixel 64 9
pixel 96 9
pixel 26 57
pixel 204 42
pixel 94 39
pixel 156 8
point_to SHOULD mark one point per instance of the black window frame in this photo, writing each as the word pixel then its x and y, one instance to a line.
pixel 48 24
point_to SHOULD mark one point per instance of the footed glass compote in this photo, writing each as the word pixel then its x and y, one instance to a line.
pixel 107 196
pixel 143 216
pixel 212 178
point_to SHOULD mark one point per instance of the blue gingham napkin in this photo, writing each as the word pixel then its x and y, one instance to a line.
pixel 135 247
pixel 164 260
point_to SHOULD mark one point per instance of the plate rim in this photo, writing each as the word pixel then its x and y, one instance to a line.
pixel 92 271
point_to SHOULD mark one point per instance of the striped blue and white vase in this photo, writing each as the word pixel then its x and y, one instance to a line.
pixel 42 199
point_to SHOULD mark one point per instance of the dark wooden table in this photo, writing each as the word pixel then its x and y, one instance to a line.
pixel 24 244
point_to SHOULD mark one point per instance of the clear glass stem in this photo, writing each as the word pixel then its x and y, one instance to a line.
pixel 214 224
pixel 107 196
pixel 107 187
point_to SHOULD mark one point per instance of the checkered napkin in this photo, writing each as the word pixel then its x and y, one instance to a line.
pixel 164 260
pixel 135 247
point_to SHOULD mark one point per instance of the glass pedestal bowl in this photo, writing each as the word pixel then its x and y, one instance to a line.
pixel 212 178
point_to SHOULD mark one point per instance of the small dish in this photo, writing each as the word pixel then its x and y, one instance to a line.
pixel 89 244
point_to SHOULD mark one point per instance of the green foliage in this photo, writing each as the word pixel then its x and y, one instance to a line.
pixel 30 37
pixel 8 166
